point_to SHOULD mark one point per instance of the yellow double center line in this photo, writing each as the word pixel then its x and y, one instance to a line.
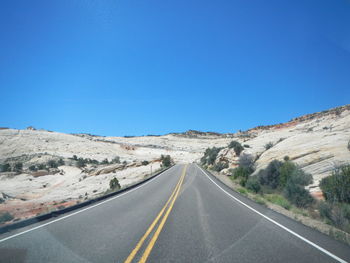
pixel 153 240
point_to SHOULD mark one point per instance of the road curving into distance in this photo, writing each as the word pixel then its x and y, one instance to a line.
pixel 182 215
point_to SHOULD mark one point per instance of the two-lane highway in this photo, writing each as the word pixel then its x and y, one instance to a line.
pixel 182 215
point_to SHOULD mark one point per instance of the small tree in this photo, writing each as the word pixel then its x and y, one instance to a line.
pixel 237 147
pixel 145 162
pixel 114 184
pixel 60 162
pixel 286 171
pixel 268 145
pixel 75 158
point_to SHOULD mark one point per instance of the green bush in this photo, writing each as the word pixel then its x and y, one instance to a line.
pixel 253 184
pixel 116 159
pixel 219 166
pixel 5 217
pixel 336 188
pixel 105 161
pixel 237 147
pixel 268 145
pixel 5 167
pixel 80 163
pixel 114 184
pixel 286 171
pixel 242 174
pixel 325 210
pixel 210 156
pixel 297 194
pixel 247 161
pixel 166 160
pixel 271 175
pixel 52 164
pixel 299 177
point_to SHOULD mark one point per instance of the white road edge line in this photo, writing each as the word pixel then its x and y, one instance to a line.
pixel 80 211
pixel 278 224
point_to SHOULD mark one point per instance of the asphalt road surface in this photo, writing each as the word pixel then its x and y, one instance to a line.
pixel 182 215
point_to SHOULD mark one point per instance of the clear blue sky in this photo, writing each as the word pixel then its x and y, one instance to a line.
pixel 153 67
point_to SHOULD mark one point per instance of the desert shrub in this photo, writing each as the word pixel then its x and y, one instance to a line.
pixel 286 171
pixel 247 161
pixel 286 158
pixel 242 174
pixel 246 146
pixel 105 161
pixel 268 145
pixel 325 209
pixel 52 164
pixel 114 184
pixel 299 177
pixel 41 166
pixel 75 158
pixel 18 167
pixel 32 168
pixel 60 162
pixel 166 160
pixel 116 159
pixel 219 166
pixel 145 162
pixel 210 155
pixel 336 188
pixel 270 175
pixel 237 147
pixel 253 184
pixel 349 145
pixel 337 214
pixel 297 194
pixel 5 217
pixel 80 163
pixel 5 167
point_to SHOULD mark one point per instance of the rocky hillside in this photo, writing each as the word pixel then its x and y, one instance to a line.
pixel 317 142
pixel 44 170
